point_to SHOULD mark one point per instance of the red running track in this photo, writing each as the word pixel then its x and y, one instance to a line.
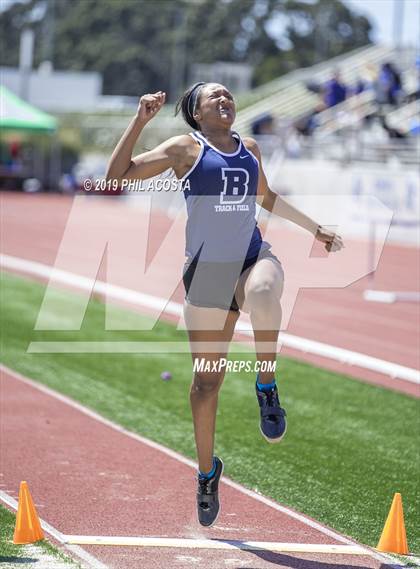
pixel 33 227
pixel 88 478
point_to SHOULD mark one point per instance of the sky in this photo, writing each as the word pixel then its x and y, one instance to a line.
pixel 381 14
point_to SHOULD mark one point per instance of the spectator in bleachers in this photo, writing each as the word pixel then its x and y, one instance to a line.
pixel 369 76
pixel 307 123
pixel 415 95
pixel 335 91
pixel 264 124
pixel 389 85
pixel 360 86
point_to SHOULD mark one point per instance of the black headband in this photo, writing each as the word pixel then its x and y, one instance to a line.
pixel 192 98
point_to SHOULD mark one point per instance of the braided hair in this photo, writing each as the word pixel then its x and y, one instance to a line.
pixel 188 102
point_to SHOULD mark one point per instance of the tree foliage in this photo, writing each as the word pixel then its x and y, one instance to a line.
pixel 142 45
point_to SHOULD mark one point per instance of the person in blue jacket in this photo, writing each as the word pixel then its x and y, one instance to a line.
pixel 335 91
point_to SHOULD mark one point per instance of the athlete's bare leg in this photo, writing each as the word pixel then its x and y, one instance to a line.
pixel 259 291
pixel 211 344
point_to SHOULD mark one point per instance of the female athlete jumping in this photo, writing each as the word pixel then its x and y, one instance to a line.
pixel 229 267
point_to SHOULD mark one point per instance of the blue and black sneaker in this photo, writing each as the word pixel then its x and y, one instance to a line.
pixel 273 417
pixel 208 506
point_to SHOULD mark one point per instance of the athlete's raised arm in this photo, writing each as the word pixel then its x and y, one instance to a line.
pixel 168 154
pixel 276 204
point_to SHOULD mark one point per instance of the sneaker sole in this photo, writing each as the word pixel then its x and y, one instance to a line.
pixel 274 441
pixel 220 507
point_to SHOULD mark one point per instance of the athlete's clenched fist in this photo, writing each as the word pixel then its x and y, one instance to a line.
pixel 149 105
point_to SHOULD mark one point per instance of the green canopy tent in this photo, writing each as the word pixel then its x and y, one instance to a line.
pixel 16 114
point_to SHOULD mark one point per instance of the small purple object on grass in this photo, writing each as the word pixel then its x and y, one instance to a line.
pixel 166 375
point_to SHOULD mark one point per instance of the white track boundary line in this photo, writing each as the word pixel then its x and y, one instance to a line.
pixel 180 458
pixel 91 561
pixel 216 544
pixel 118 293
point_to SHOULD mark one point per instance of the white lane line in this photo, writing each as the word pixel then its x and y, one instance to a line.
pixel 91 561
pixel 118 293
pixel 216 544
pixel 188 462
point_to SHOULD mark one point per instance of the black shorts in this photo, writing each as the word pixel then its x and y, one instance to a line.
pixel 212 285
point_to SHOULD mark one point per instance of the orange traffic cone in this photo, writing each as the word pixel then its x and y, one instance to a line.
pixel 28 527
pixel 394 538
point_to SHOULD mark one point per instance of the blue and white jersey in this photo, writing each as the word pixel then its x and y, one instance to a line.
pixel 220 191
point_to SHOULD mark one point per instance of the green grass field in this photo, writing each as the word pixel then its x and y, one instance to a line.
pixel 42 554
pixel 350 446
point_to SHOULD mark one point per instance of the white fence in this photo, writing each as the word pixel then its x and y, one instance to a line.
pixel 395 187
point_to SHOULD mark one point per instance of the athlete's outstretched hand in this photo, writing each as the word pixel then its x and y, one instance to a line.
pixel 333 242
pixel 149 105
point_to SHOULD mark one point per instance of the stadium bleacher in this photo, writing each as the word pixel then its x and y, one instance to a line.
pixel 288 97
pixel 343 132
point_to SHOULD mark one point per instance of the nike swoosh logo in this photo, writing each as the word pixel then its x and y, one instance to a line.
pixel 246 156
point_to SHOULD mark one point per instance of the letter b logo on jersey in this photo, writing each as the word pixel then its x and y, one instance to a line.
pixel 235 185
